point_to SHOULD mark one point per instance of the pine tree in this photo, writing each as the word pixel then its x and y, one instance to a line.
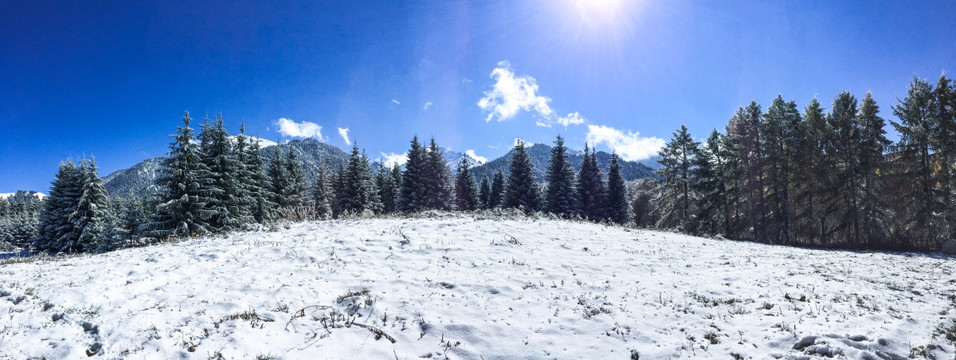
pixel 745 135
pixel 295 193
pixel 247 185
pixel 918 203
pixel 943 141
pixel 560 198
pixel 484 194
pixel 322 194
pixel 262 206
pixel 709 185
pixel 412 197
pixel 591 192
pixel 842 185
pixel 181 201
pixel 133 217
pixel 55 227
pixel 617 206
pixel 780 130
pixel 521 190
pixel 676 197
pixel 226 190
pixel 808 164
pixel 439 193
pixel 387 189
pixel 873 217
pixel 466 189
pixel 359 192
pixel 496 197
pixel 91 214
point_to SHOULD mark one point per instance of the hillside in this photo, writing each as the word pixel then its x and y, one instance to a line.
pixel 541 156
pixel 475 287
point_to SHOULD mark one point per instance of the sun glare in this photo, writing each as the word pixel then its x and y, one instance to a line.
pixel 596 12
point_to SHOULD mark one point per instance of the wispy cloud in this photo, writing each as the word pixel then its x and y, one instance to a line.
pixel 303 129
pixel 480 159
pixel 629 145
pixel 395 102
pixel 428 104
pixel 511 93
pixel 465 80
pixel 390 159
pixel 344 133
pixel 572 119
pixel 527 144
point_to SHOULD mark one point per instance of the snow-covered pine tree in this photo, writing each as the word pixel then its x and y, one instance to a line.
pixel 617 206
pixel 677 197
pixel 387 189
pixel 708 184
pixel 808 162
pixel 396 174
pixel 560 197
pixel 246 184
pixel 521 190
pixel 591 191
pixel 295 193
pixel 19 217
pixel 91 214
pixel 439 193
pixel 918 206
pixel 133 217
pixel 871 165
pixel 226 192
pixel 278 179
pixel 496 197
pixel 322 194
pixel 55 227
pixel 466 189
pixel 484 193
pixel 359 192
pixel 182 197
pixel 412 196
pixel 262 206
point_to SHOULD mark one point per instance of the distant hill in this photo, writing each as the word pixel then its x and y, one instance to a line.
pixel 541 156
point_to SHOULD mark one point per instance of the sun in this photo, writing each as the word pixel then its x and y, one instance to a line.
pixel 596 12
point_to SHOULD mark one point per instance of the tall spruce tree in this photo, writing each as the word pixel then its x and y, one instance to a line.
pixel 943 142
pixel 497 195
pixel 55 227
pixel 617 205
pixel 484 193
pixel 92 214
pixel 438 182
pixel 780 132
pixel 413 189
pixel 359 192
pixel 466 188
pixel 521 190
pixel 873 217
pixel 322 195
pixel 387 189
pixel 227 192
pixel 560 197
pixel 295 194
pixel 676 197
pixel 809 177
pixel 591 191
pixel 842 185
pixel 181 201
pixel 262 206
pixel 709 185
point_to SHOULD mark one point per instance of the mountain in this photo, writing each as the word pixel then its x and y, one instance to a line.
pixel 541 156
pixel 139 180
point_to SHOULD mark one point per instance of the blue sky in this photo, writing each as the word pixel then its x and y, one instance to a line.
pixel 112 78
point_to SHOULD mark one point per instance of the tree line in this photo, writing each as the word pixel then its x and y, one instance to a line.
pixel 818 178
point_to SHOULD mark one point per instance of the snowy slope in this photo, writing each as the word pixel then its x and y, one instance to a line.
pixel 474 287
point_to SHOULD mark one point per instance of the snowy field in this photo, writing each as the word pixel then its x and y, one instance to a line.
pixel 475 287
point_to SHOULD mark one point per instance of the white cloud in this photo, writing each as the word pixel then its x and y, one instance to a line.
pixel 465 80
pixel 395 102
pixel 428 104
pixel 628 145
pixel 390 159
pixel 527 144
pixel 479 159
pixel 572 119
pixel 545 123
pixel 511 94
pixel 303 129
pixel 344 133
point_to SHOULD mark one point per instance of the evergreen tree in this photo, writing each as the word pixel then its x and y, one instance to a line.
pixel 591 192
pixel 466 189
pixel 91 215
pixel 809 177
pixel 133 217
pixel 413 180
pixel 745 134
pixel 918 203
pixel 55 228
pixel 359 192
pixel 262 206
pixel 676 196
pixel 870 167
pixel 227 192
pixel 943 141
pixel 522 189
pixel 560 198
pixel 497 194
pixel 322 194
pixel 709 186
pixel 387 189
pixel 295 193
pixel 484 194
pixel 780 131
pixel 842 185
pixel 181 201
pixel 438 183
pixel 247 184
pixel 617 207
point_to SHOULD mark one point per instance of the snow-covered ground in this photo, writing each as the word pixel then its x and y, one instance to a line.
pixel 476 287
